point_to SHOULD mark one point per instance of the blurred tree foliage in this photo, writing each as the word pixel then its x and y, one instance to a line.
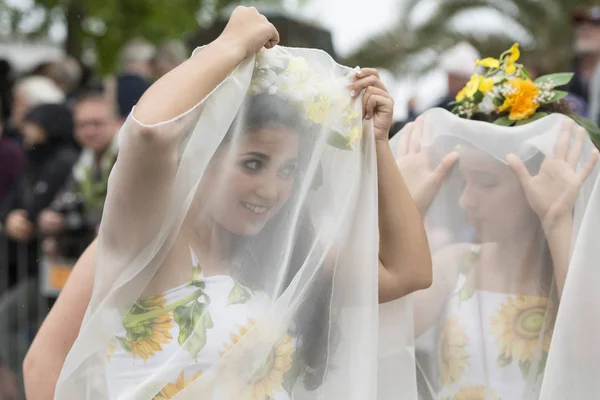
pixel 105 25
pixel 543 27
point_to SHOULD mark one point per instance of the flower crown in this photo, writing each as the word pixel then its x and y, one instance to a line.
pixel 322 99
pixel 506 89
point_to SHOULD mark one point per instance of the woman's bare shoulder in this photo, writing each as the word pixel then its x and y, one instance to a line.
pixel 448 260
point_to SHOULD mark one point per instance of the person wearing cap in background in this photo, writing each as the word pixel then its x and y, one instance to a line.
pixel 28 93
pixel 168 55
pixel 458 64
pixel 67 73
pixel 134 77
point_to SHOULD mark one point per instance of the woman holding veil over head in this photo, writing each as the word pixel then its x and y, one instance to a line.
pixel 507 201
pixel 239 256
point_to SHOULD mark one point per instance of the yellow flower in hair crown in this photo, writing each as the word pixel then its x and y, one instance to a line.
pixel 324 100
pixel 507 92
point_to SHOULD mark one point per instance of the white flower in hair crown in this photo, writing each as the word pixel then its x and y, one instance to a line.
pixel 324 100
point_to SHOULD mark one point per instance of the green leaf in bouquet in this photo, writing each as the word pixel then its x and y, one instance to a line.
pixel 592 129
pixel 504 121
pixel 558 79
pixel 534 117
pixel 498 101
pixel 557 95
pixel 193 320
pixel 525 73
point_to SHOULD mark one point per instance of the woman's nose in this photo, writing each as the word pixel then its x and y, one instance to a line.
pixel 268 188
pixel 467 198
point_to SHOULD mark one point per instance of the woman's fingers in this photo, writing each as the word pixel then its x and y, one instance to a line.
pixel 368 71
pixel 414 146
pixel 587 169
pixel 442 170
pixel 519 168
pixel 378 103
pixel 368 107
pixel 274 38
pixel 562 143
pixel 575 150
pixel 364 78
pixel 405 135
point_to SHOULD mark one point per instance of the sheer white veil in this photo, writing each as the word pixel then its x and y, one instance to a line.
pixel 296 313
pixel 500 326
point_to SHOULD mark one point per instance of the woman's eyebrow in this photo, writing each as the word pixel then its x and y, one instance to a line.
pixel 262 156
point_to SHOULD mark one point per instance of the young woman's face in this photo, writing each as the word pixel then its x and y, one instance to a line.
pixel 250 179
pixel 492 197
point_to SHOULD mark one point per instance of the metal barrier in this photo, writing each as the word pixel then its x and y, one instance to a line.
pixel 29 283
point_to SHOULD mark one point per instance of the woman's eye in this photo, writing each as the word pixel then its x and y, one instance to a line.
pixel 253 165
pixel 487 184
pixel 287 172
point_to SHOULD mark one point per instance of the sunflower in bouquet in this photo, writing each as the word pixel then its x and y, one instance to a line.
pixel 506 92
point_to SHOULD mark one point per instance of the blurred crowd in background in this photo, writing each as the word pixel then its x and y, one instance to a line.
pixel 59 141
pixel 58 144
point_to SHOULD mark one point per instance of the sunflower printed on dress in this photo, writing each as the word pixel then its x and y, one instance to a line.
pixel 268 376
pixel 172 389
pixel 475 392
pixel 518 326
pixel 110 349
pixel 145 336
pixel 453 354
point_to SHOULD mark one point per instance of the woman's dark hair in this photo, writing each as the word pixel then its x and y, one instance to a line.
pixel 266 110
pixel 313 326
pixel 55 119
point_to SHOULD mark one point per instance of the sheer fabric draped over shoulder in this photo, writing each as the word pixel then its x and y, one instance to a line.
pixel 238 250
pixel 512 310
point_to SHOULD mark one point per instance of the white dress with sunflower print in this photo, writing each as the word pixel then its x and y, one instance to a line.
pixel 208 316
pixel 490 346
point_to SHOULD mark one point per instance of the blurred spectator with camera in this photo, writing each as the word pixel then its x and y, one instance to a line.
pixel 74 217
pixel 50 154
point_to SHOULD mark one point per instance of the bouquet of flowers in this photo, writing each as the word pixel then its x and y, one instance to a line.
pixel 507 92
